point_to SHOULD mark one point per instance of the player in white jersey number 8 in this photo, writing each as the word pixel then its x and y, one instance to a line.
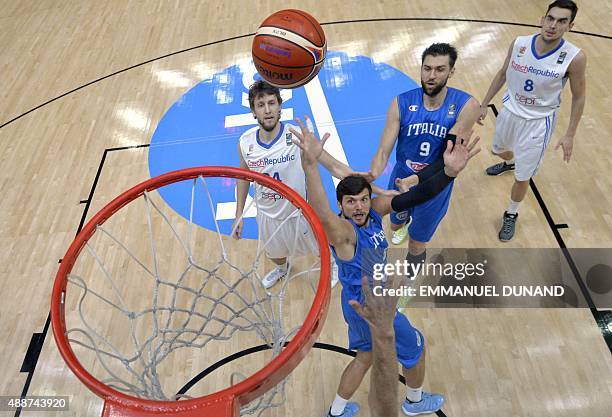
pixel 268 148
pixel 535 71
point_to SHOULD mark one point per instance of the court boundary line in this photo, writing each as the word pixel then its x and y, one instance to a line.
pixel 232 38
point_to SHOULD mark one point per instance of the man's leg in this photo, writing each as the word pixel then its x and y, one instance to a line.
pixel 502 144
pixel 532 138
pixel 417 401
pixel 411 354
pixel 349 382
pixel 414 378
pixel 506 165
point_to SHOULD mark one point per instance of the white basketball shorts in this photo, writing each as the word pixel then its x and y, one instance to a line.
pixel 527 138
pixel 282 239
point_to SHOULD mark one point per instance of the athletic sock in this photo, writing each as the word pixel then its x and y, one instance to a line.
pixel 338 406
pixel 283 267
pixel 414 395
pixel 513 207
pixel 510 162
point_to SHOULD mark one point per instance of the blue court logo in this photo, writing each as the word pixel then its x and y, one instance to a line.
pixel 349 99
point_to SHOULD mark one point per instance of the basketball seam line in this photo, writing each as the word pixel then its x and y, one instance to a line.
pixel 315 23
pixel 291 31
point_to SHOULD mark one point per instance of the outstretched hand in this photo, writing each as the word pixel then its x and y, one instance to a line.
pixel 378 310
pixel 311 148
pixel 457 155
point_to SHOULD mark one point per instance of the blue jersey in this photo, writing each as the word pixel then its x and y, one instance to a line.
pixel 370 249
pixel 422 132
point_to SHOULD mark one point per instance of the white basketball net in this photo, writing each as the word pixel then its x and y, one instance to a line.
pixel 162 301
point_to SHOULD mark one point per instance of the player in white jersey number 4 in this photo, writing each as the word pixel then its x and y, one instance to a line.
pixel 535 71
pixel 268 148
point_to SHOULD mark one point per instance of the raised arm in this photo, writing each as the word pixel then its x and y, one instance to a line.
pixel 576 73
pixel 387 141
pixel 338 230
pixel 498 82
pixel 456 157
pixel 465 121
pixel 379 311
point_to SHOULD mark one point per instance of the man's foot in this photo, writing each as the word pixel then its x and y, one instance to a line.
pixel 273 276
pixel 334 273
pixel 400 235
pixel 351 409
pixel 508 225
pixel 500 168
pixel 430 403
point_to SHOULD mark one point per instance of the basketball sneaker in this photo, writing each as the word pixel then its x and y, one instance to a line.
pixel 500 168
pixel 334 273
pixel 400 235
pixel 508 225
pixel 273 276
pixel 351 409
pixel 430 403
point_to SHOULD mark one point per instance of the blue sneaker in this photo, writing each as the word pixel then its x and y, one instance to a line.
pixel 350 410
pixel 430 403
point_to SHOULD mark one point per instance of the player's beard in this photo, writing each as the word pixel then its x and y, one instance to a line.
pixel 436 90
pixel 267 127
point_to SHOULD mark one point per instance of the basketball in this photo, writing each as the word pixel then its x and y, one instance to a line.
pixel 289 48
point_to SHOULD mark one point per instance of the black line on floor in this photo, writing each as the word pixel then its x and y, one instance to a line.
pixel 260 348
pixel 495 112
pixel 31 359
pixel 452 19
pixel 123 148
pixel 564 250
pixel 339 22
pixel 554 227
pixel 41 337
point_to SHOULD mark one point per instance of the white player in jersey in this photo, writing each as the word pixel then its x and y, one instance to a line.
pixel 268 148
pixel 535 71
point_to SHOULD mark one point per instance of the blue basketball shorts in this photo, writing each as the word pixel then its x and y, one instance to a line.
pixel 425 217
pixel 409 342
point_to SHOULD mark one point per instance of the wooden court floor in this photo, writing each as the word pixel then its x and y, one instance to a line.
pixel 487 362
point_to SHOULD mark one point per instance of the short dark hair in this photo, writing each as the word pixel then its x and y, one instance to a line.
pixel 352 185
pixel 259 88
pixel 441 49
pixel 564 4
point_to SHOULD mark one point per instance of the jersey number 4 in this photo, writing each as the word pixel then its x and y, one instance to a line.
pixel 275 175
pixel 528 85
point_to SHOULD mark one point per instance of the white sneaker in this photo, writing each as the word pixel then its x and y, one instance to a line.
pixel 400 235
pixel 334 273
pixel 273 276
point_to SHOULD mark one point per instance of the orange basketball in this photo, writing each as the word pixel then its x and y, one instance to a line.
pixel 289 48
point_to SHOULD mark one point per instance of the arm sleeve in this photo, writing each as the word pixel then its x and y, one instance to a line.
pixel 436 166
pixel 422 192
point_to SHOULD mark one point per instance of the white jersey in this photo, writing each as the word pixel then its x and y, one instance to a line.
pixel 535 82
pixel 279 159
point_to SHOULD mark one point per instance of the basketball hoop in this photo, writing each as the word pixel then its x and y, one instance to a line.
pixel 291 346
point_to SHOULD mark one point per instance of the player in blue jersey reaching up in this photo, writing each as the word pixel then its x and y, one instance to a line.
pixel 420 121
pixel 358 243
